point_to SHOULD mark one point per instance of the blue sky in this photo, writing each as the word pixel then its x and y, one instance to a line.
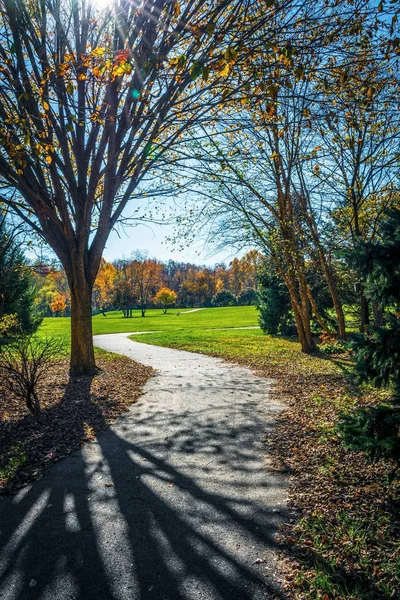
pixel 151 238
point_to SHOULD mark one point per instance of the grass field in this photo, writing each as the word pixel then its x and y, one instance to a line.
pixel 155 320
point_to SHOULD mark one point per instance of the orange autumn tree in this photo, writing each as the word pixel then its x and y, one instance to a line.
pixel 58 304
pixel 91 99
pixel 165 297
pixel 104 283
pixel 147 276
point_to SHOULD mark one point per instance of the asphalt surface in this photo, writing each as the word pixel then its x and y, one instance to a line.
pixel 174 502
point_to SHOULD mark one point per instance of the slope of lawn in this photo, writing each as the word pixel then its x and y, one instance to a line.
pixel 155 320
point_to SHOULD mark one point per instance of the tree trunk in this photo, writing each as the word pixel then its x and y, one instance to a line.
pixel 306 313
pixel 302 317
pixel 82 350
pixel 337 303
pixel 326 269
pixel 379 319
pixel 316 312
pixel 304 343
pixel 364 312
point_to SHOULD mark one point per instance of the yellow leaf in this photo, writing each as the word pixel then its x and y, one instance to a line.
pixel 70 88
pixel 82 77
pixel 122 69
pixel 48 159
pixel 97 71
pixel 224 72
pixel 62 69
pixel 177 9
pixel 46 106
pixel 98 51
pixel 173 62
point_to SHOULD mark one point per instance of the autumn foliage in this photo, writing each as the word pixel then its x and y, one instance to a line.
pixel 141 282
pixel 165 297
pixel 58 305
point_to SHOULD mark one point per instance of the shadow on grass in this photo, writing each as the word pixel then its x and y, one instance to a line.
pixel 119 520
pixel 31 444
pixel 333 580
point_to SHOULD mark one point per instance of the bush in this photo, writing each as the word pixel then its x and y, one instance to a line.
pixel 24 363
pixel 377 429
pixel 274 304
pixel 224 298
pixel 248 297
pixel 374 430
pixel 330 345
pixel 9 325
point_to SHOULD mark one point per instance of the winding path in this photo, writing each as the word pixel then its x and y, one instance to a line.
pixel 174 502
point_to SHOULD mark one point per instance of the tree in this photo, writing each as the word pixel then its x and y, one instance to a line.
pixel 357 161
pixel 273 302
pixel 147 274
pixel 17 290
pixel 165 297
pixel 90 101
pixel 125 287
pixel 50 283
pixel 377 429
pixel 224 298
pixel 104 284
pixel 255 171
pixel 58 304
pixel 236 276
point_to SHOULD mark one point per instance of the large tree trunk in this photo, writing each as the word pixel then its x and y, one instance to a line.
pixel 82 350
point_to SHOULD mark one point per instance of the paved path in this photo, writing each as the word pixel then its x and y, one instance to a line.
pixel 174 502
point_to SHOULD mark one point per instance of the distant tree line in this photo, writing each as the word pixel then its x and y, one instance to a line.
pixel 141 282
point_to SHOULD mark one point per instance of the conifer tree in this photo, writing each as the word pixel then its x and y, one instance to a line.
pixel 377 429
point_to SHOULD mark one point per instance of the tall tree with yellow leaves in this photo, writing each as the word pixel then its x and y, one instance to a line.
pixel 90 101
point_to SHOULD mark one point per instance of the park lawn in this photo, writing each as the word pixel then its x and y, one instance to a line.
pixel 344 539
pixel 251 346
pixel 173 320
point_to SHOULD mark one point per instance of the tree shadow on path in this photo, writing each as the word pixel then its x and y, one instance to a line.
pixel 124 520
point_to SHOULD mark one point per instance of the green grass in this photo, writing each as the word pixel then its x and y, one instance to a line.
pixel 252 345
pixel 155 320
